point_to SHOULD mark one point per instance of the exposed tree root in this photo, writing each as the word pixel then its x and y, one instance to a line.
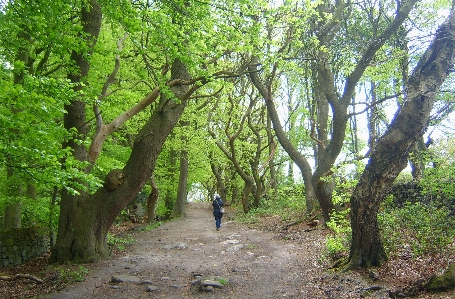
pixel 17 276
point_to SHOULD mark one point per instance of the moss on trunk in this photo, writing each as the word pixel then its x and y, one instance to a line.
pixel 443 282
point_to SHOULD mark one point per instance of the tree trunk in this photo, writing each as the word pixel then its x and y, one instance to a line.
pixel 258 193
pixel 324 190
pixel 86 219
pixel 52 213
pixel 235 194
pixel 247 188
pixel 179 207
pixel 12 217
pixel 152 201
pixel 219 182
pixel 389 157
pixel 417 159
pixel 296 156
pixel 272 151
pixel 71 243
pixel 13 210
pixel 169 197
pixel 231 155
pixel 373 118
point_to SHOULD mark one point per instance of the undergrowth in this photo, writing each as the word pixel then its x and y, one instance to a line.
pixel 119 242
pixel 420 229
pixel 289 203
pixel 69 276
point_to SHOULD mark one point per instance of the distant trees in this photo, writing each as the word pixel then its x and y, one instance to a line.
pixel 334 75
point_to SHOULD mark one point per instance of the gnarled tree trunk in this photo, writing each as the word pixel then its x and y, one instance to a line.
pixel 86 219
pixel 390 155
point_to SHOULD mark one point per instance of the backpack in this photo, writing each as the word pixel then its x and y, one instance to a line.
pixel 215 201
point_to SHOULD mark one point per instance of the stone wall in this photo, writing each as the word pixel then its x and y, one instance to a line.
pixel 20 245
pixel 412 192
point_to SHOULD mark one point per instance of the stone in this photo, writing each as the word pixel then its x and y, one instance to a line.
pixel 233 236
pixel 118 278
pixel 235 248
pixel 230 241
pixel 151 289
pixel 374 275
pixel 178 245
pixel 208 289
pixel 212 283
pixel 443 282
pixel 175 286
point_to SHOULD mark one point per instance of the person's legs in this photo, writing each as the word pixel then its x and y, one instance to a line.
pixel 218 222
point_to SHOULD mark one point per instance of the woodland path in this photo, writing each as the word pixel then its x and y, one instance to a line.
pixel 256 263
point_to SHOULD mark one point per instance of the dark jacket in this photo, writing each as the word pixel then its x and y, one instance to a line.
pixel 217 204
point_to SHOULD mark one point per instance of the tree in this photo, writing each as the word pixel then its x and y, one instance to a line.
pixel 85 218
pixel 179 207
pixel 32 99
pixel 389 157
pixel 328 129
pixel 232 129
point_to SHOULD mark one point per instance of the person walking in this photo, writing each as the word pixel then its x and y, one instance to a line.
pixel 217 210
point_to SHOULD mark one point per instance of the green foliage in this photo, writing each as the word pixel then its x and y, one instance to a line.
pixel 343 191
pixel 120 242
pixel 223 281
pixel 70 276
pixel 154 225
pixel 115 154
pixel 338 244
pixel 403 177
pixel 438 180
pixel 31 138
pixel 38 212
pixel 289 203
pixel 419 228
pixel 335 247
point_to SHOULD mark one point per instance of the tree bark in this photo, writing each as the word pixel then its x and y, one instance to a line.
pixel 296 156
pixel 272 146
pixel 179 206
pixel 169 196
pixel 389 157
pixel 417 159
pixel 219 182
pixel 12 217
pixel 86 219
pixel 152 201
pixel 75 119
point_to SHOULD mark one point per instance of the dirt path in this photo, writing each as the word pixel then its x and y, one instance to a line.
pixel 257 264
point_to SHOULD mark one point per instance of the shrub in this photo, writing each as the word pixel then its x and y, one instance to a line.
pixel 338 244
pixel 119 242
pixel 425 229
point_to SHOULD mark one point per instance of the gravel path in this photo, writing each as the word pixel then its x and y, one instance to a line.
pixel 166 263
